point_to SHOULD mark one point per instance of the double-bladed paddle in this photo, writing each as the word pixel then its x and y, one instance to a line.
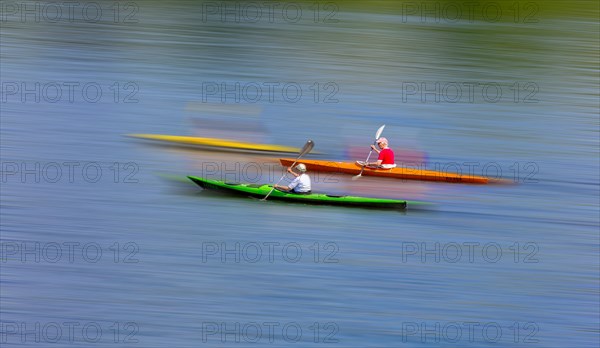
pixel 305 149
pixel 379 131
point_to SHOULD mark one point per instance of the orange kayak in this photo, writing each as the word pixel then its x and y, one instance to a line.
pixel 399 172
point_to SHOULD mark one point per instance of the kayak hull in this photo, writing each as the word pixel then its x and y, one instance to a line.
pixel 260 191
pixel 217 143
pixel 397 173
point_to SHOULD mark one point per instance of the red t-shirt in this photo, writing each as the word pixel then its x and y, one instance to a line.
pixel 386 156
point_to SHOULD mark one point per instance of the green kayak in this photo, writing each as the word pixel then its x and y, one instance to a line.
pixel 260 191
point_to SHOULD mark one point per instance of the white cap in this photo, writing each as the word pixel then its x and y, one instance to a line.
pixel 301 167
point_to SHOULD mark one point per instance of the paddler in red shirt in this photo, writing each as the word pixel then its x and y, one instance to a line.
pixel 386 155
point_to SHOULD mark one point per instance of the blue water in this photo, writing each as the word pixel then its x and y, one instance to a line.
pixel 104 242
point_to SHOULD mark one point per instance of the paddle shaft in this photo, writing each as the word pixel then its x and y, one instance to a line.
pixel 367 161
pixel 307 147
pixel 379 131
pixel 273 188
pixel 292 166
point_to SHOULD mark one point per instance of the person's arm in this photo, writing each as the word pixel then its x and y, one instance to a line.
pixel 375 148
pixel 289 170
pixel 379 160
pixel 282 187
pixel 291 185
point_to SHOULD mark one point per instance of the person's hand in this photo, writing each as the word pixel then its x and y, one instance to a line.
pixel 290 170
pixel 373 147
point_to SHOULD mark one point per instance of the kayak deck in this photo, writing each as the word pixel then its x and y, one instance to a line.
pixel 260 191
pixel 398 172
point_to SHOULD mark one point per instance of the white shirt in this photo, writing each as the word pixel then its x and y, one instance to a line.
pixel 300 184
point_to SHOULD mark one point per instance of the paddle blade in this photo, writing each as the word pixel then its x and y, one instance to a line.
pixel 379 131
pixel 307 148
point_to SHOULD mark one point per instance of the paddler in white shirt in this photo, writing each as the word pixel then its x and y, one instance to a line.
pixel 301 184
